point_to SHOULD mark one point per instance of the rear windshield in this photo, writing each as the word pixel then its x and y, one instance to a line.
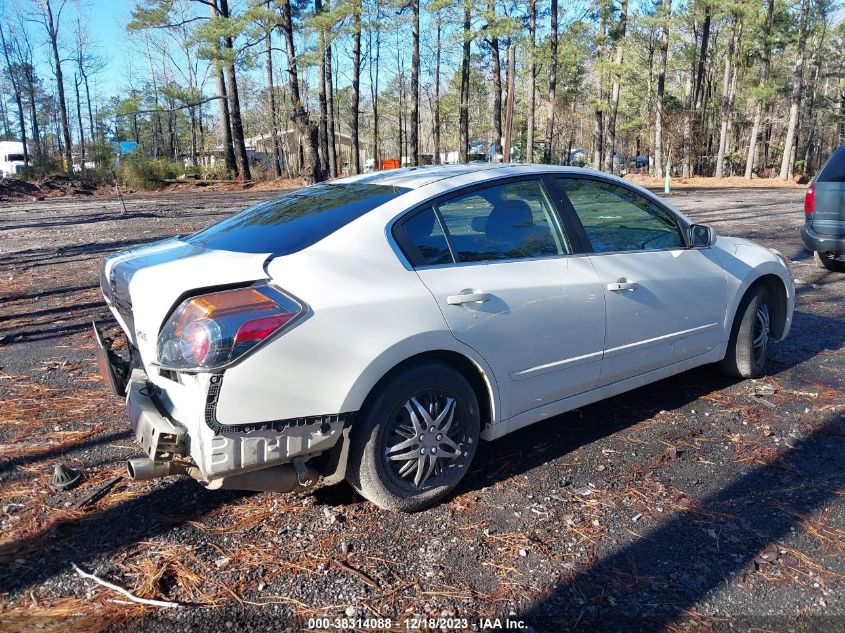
pixel 834 169
pixel 297 220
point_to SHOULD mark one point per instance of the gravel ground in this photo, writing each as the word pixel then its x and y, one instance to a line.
pixel 696 503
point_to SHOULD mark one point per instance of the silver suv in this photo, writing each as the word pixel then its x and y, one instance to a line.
pixel 824 214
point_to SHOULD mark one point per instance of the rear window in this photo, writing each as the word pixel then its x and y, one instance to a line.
pixel 297 220
pixel 834 169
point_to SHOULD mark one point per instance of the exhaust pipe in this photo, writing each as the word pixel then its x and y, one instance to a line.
pixel 143 468
pixel 282 478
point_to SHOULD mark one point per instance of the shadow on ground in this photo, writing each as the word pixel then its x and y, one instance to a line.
pixel 30 561
pixel 657 579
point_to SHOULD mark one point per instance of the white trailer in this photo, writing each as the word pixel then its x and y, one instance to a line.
pixel 11 159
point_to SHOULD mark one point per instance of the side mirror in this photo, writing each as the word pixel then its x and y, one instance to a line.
pixel 701 236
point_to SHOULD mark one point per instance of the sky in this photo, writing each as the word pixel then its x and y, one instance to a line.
pixel 107 20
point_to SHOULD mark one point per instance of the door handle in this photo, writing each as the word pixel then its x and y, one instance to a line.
pixel 469 297
pixel 623 284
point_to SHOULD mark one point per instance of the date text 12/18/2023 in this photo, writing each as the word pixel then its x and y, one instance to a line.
pixel 417 624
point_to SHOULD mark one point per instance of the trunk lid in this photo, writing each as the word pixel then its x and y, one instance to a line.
pixel 829 210
pixel 143 285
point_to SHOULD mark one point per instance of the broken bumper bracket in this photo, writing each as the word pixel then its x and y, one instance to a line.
pixel 158 436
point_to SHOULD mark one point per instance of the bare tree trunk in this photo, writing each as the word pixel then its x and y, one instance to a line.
pixel 661 88
pixel 274 115
pixel 228 147
pixel 334 165
pixel 463 118
pixel 550 120
pixel 400 72
pixel 356 82
pixel 28 70
pixel 415 85
pixel 235 101
pixel 702 55
pixel 310 167
pixel 7 133
pixel 18 100
pixel 532 80
pixel 76 83
pixel 321 94
pixel 373 69
pixel 33 116
pixel 619 42
pixel 506 150
pixel 812 114
pixel 726 102
pixel 496 65
pixel 842 111
pixel 766 63
pixel 797 88
pixel 155 123
pixel 436 116
pixel 686 170
pixel 598 78
pixel 53 34
pixel 271 91
pixel 58 131
pixel 92 129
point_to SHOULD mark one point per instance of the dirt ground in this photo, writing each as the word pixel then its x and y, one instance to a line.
pixel 694 504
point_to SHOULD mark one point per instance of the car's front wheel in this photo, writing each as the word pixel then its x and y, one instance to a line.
pixel 748 345
pixel 415 438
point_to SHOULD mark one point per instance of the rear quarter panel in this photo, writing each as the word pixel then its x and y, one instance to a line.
pixel 366 314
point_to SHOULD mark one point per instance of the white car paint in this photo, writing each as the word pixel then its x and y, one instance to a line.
pixel 556 305
pixel 556 338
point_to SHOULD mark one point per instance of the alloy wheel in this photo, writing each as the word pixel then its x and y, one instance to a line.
pixel 760 332
pixel 426 441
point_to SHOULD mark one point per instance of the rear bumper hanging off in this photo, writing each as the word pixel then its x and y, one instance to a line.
pixel 113 369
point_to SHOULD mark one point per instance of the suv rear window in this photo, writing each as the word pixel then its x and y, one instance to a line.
pixel 834 169
pixel 295 221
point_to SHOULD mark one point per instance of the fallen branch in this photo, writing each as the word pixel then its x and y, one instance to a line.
pixel 355 572
pixel 133 598
pixel 98 492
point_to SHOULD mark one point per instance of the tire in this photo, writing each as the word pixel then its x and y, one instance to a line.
pixel 826 262
pixel 752 323
pixel 391 425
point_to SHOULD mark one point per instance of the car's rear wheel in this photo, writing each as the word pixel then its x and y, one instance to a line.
pixel 415 438
pixel 827 262
pixel 748 345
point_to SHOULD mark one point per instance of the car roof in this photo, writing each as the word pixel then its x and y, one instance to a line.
pixel 446 176
pixel 416 177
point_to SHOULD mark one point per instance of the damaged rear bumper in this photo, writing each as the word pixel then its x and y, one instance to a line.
pixel 229 457
pixel 160 438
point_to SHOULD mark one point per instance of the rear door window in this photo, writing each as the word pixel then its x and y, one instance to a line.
pixel 295 221
pixel 834 169
pixel 426 240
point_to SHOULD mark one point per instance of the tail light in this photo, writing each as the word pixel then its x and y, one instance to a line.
pixel 809 203
pixel 213 330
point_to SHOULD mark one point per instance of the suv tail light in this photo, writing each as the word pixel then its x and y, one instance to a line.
pixel 213 330
pixel 809 203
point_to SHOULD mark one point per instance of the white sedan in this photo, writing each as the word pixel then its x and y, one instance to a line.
pixel 374 328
